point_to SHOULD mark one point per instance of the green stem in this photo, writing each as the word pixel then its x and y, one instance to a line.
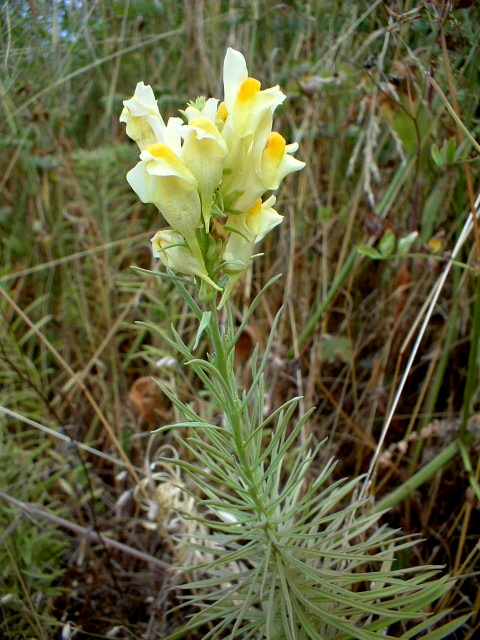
pixel 467 464
pixel 470 384
pixel 223 361
pixel 394 187
pixel 419 478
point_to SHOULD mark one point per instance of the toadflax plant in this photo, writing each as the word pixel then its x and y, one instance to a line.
pixel 280 549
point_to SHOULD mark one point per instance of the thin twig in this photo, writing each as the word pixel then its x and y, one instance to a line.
pixel 71 441
pixel 80 383
pixel 92 537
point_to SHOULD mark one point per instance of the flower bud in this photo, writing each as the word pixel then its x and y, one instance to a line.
pixel 145 125
pixel 169 246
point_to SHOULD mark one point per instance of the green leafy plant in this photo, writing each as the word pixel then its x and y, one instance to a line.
pixel 282 551
pixel 385 349
pixel 30 568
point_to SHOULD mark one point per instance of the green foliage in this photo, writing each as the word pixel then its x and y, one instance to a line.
pixel 387 246
pixel 287 553
pixel 31 556
pixel 70 229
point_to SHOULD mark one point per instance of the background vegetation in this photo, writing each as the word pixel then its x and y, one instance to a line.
pixel 73 361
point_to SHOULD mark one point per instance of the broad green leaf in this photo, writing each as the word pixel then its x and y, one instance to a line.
pixel 450 149
pixel 369 252
pixel 437 155
pixel 386 246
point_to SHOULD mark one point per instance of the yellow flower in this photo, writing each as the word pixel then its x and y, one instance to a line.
pixel 169 246
pixel 276 160
pixel 245 230
pixel 204 152
pixel 145 125
pixel 245 103
pixel 258 158
pixel 229 147
pixel 242 183
pixel 260 165
pixel 163 179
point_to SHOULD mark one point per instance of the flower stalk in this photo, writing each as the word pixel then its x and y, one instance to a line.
pixel 223 348
pixel 283 552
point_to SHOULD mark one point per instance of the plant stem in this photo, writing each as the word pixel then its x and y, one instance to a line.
pixel 470 384
pixel 419 478
pixel 233 412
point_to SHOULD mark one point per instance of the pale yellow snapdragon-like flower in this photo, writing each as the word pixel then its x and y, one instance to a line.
pixel 261 164
pixel 246 229
pixel 224 157
pixel 180 179
pixel 204 152
pixel 163 179
pixel 245 104
pixel 277 161
pixel 258 158
pixel 144 123
pixel 169 246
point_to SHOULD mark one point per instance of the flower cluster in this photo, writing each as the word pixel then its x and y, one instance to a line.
pixel 207 173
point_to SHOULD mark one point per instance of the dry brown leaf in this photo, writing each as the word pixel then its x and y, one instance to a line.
pixel 147 400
